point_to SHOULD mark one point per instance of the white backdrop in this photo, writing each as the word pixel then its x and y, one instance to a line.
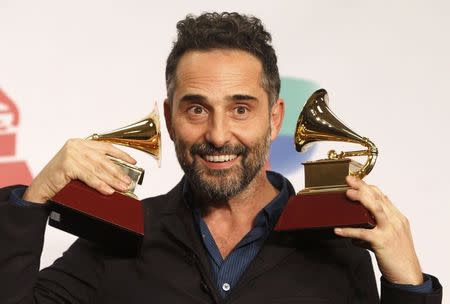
pixel 77 67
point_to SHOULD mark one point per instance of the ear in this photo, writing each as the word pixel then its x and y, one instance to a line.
pixel 276 118
pixel 168 117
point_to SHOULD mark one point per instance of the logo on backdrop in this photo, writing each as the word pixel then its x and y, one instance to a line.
pixel 283 156
pixel 12 171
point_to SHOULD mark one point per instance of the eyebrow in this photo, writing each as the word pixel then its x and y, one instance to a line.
pixel 196 98
pixel 241 97
pixel 193 98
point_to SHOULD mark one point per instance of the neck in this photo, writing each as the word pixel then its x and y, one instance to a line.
pixel 230 221
pixel 243 207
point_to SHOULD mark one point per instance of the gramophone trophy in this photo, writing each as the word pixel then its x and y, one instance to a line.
pixel 114 221
pixel 323 203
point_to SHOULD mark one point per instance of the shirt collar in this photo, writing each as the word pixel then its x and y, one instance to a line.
pixel 273 209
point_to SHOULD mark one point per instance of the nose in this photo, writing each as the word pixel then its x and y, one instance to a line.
pixel 218 133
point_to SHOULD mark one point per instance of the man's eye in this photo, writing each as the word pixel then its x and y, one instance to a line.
pixel 197 110
pixel 241 110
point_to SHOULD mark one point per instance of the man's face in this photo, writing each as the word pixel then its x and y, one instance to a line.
pixel 220 121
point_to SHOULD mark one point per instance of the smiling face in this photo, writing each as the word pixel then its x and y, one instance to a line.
pixel 220 121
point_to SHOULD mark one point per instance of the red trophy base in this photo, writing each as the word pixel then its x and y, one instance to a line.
pixel 323 211
pixel 114 221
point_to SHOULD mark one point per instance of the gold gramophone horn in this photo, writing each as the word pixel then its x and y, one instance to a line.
pixel 143 135
pixel 317 122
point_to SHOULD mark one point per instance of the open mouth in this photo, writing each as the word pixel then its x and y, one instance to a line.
pixel 219 158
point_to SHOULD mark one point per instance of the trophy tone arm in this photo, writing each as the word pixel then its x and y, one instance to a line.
pixel 371 153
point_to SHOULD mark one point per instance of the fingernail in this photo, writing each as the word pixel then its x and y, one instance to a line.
pixel 337 230
pixel 126 179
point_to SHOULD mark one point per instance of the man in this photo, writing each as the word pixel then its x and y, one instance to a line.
pixel 211 238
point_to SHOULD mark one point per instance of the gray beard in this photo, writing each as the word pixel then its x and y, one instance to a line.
pixel 221 185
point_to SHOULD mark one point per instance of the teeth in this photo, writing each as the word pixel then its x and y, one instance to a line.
pixel 220 158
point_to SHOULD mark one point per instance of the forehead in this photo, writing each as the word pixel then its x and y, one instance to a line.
pixel 217 70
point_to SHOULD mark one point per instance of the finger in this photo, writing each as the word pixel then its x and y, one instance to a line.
pixel 111 150
pixel 389 205
pixel 379 196
pixel 96 183
pixel 96 168
pixel 114 170
pixel 370 201
pixel 396 218
pixel 391 211
pixel 94 163
pixel 354 182
pixel 364 235
pixel 103 173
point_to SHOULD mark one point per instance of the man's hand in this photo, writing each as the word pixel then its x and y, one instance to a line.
pixel 85 160
pixel 390 240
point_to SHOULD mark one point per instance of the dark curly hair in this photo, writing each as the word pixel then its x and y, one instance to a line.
pixel 225 31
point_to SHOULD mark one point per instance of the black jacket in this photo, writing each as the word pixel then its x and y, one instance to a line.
pixel 173 267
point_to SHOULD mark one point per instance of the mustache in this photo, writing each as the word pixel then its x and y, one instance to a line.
pixel 207 148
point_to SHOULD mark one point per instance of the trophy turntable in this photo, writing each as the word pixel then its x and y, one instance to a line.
pixel 323 203
pixel 114 221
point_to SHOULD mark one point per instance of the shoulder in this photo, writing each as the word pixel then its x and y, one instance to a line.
pixel 326 248
pixel 6 191
pixel 166 203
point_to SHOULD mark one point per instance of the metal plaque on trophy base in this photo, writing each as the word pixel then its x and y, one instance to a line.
pixel 323 203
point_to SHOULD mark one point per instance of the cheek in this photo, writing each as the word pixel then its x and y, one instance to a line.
pixel 253 132
pixel 182 129
pixel 185 135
